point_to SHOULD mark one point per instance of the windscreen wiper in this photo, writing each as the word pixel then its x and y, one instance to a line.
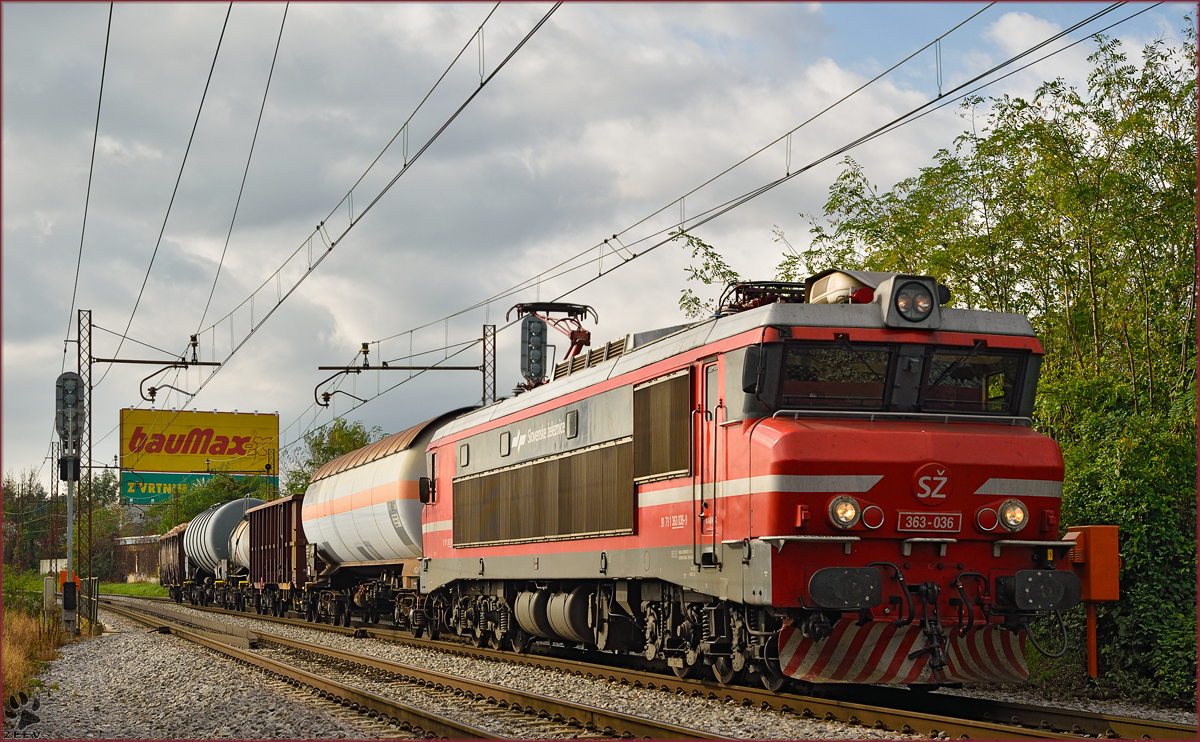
pixel 961 359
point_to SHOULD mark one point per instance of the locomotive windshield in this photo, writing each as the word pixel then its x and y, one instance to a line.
pixel 861 376
pixel 970 382
pixel 847 377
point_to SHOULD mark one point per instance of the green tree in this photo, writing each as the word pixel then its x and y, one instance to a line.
pixel 106 489
pixel 182 506
pixel 322 446
pixel 26 520
pixel 712 270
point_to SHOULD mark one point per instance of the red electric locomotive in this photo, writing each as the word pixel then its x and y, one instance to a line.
pixel 833 482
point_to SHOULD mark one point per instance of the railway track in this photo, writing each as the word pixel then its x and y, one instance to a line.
pixel 524 715
pixel 873 707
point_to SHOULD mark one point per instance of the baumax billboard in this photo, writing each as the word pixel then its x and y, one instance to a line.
pixel 181 441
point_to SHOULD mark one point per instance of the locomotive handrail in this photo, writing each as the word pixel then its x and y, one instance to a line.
pixel 1018 542
pixel 1011 421
pixel 779 541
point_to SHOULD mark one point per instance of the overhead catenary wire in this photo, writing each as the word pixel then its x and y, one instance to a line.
pixel 878 132
pixel 714 212
pixel 787 135
pixel 246 171
pixel 337 207
pixel 88 193
pixel 174 191
pixel 137 342
pixel 896 123
pixel 335 240
pixel 86 201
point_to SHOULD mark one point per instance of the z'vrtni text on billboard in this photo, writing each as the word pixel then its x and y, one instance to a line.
pixel 163 449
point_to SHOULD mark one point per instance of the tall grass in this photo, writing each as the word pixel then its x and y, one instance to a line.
pixel 29 641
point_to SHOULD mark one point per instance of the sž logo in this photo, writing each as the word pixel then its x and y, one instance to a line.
pixel 931 484
pixel 197 442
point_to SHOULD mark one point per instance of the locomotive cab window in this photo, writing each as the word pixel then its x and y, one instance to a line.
pixel 969 380
pixel 846 377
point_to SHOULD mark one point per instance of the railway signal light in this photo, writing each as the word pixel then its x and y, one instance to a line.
pixel 533 348
pixel 69 413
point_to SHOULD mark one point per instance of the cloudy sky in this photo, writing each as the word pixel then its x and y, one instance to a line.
pixel 597 127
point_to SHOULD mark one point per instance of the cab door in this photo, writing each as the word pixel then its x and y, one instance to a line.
pixel 706 427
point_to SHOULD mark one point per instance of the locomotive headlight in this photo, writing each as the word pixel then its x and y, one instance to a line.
pixel 844 511
pixel 914 302
pixel 1013 515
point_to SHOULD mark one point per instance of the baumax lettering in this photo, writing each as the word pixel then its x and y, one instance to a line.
pixel 198 441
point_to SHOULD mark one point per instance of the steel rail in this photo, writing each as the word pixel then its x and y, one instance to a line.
pixel 575 714
pixel 1041 717
pixel 572 714
pixel 378 707
pixel 885 708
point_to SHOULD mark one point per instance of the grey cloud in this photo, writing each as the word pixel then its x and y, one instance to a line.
pixel 610 112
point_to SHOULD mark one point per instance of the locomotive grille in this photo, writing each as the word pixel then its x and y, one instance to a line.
pixel 585 494
pixel 661 444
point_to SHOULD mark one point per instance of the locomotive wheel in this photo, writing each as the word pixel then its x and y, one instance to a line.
pixel 415 630
pixel 479 638
pixel 346 619
pixel 495 641
pixel 723 670
pixel 686 671
pixel 769 673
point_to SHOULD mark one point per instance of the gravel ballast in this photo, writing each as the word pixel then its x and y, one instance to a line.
pixel 119 685
pixel 132 684
pixel 708 715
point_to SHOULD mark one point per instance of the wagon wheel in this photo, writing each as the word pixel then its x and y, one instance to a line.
pixel 519 640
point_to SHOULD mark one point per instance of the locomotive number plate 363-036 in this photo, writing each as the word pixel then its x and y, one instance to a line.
pixel 944 522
